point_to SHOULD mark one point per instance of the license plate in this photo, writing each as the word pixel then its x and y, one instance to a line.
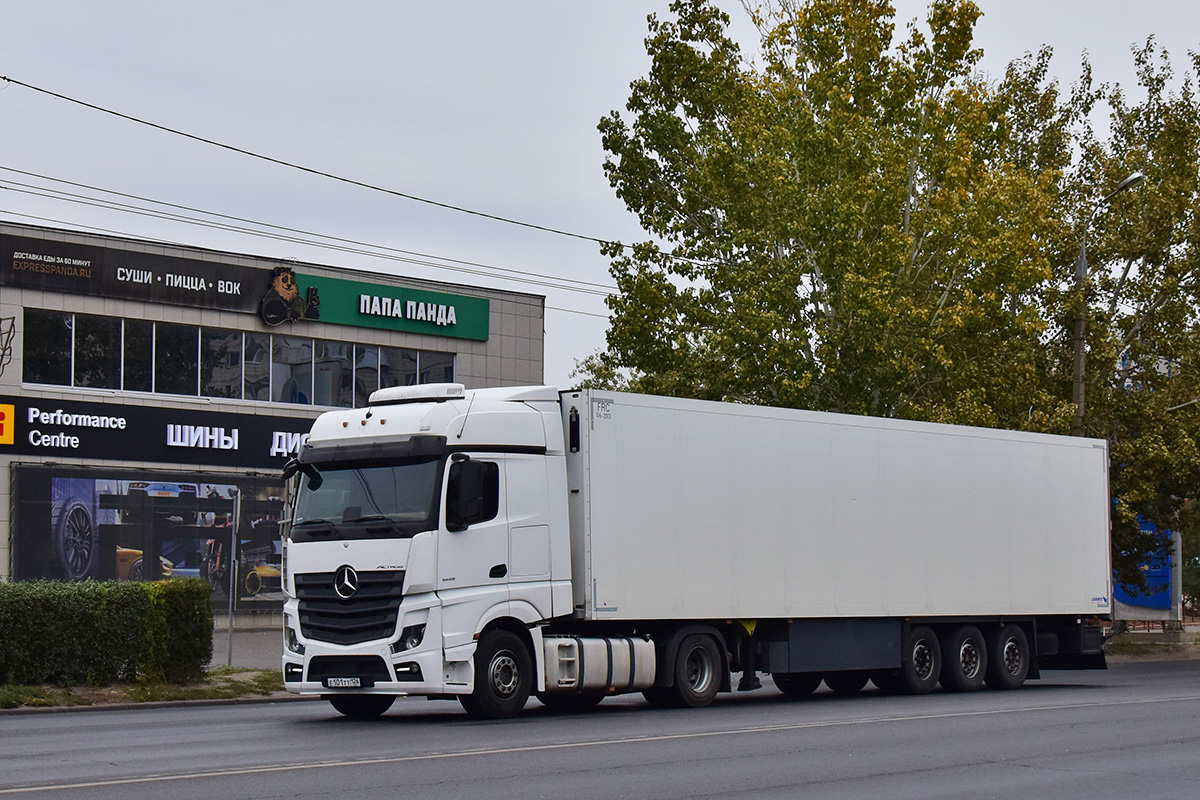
pixel 343 683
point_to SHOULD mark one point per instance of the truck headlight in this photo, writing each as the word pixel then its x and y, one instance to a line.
pixel 291 641
pixel 410 638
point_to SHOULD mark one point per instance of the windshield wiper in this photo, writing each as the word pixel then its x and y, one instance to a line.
pixel 388 528
pixel 315 531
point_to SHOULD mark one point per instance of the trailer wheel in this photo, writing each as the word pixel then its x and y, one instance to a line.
pixel 1008 658
pixel 503 677
pixel 964 660
pixel 697 675
pixel 571 701
pixel 361 706
pixel 922 664
pixel 797 684
pixel 847 681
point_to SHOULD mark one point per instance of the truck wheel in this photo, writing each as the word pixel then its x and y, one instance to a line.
pixel 570 701
pixel 697 675
pixel 361 706
pixel 1008 658
pixel 964 660
pixel 503 677
pixel 922 664
pixel 797 684
pixel 847 681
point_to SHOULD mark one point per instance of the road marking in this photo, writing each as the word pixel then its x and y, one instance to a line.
pixel 535 748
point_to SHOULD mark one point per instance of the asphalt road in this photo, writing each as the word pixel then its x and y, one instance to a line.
pixel 1131 732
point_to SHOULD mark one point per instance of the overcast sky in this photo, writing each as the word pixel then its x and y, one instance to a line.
pixel 487 106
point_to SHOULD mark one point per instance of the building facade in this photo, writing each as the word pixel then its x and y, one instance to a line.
pixel 150 394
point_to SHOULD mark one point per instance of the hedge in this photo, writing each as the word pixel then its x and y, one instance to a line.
pixel 99 632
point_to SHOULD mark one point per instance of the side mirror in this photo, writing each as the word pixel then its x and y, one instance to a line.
pixel 472 493
pixel 293 466
pixel 465 496
pixel 290 469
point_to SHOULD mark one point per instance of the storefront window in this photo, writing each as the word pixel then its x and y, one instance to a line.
pixel 291 370
pixel 47 350
pixel 175 359
pixel 257 366
pixel 333 376
pixel 139 356
pixel 65 349
pixel 77 524
pixel 366 373
pixel 97 352
pixel 437 367
pixel 397 367
pixel 220 363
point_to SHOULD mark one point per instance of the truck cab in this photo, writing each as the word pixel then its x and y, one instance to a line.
pixel 427 525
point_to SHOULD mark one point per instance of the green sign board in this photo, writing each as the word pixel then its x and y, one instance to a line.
pixel 395 308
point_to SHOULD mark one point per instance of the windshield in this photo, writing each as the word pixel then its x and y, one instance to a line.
pixel 357 502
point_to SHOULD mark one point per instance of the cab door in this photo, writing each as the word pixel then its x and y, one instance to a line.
pixel 472 551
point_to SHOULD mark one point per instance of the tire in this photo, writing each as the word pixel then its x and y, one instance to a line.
pixel 697 672
pixel 361 706
pixel 253 583
pixel 571 701
pixel 138 571
pixel 797 684
pixel 964 659
pixel 847 681
pixel 921 666
pixel 1008 658
pixel 503 677
pixel 75 541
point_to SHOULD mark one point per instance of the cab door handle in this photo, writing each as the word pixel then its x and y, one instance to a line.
pixel 498 571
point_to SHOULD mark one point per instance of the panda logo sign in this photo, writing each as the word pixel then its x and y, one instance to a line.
pixel 283 303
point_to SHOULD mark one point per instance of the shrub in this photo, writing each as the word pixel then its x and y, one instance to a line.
pixel 97 632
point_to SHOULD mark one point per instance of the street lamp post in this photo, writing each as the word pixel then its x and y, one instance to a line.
pixel 1079 369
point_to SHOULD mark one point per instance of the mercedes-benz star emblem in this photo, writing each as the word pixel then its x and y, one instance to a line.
pixel 345 582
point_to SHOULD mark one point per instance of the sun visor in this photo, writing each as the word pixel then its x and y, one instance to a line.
pixel 360 452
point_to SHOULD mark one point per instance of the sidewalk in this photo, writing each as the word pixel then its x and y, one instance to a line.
pixel 257 641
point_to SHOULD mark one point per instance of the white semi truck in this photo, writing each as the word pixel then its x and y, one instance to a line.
pixel 487 545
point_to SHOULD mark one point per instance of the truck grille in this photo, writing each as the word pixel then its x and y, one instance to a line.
pixel 369 614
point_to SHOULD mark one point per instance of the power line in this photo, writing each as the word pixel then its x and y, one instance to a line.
pixel 587 287
pixel 310 170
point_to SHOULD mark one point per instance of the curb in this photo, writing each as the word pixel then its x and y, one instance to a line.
pixel 250 700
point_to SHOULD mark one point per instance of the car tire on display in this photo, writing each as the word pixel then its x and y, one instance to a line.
pixel 697 672
pixel 1008 658
pixel 503 677
pixel 253 582
pixel 964 659
pixel 76 541
pixel 361 706
pixel 921 666
pixel 847 681
pixel 797 684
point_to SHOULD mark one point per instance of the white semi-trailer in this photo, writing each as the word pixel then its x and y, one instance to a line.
pixel 486 545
